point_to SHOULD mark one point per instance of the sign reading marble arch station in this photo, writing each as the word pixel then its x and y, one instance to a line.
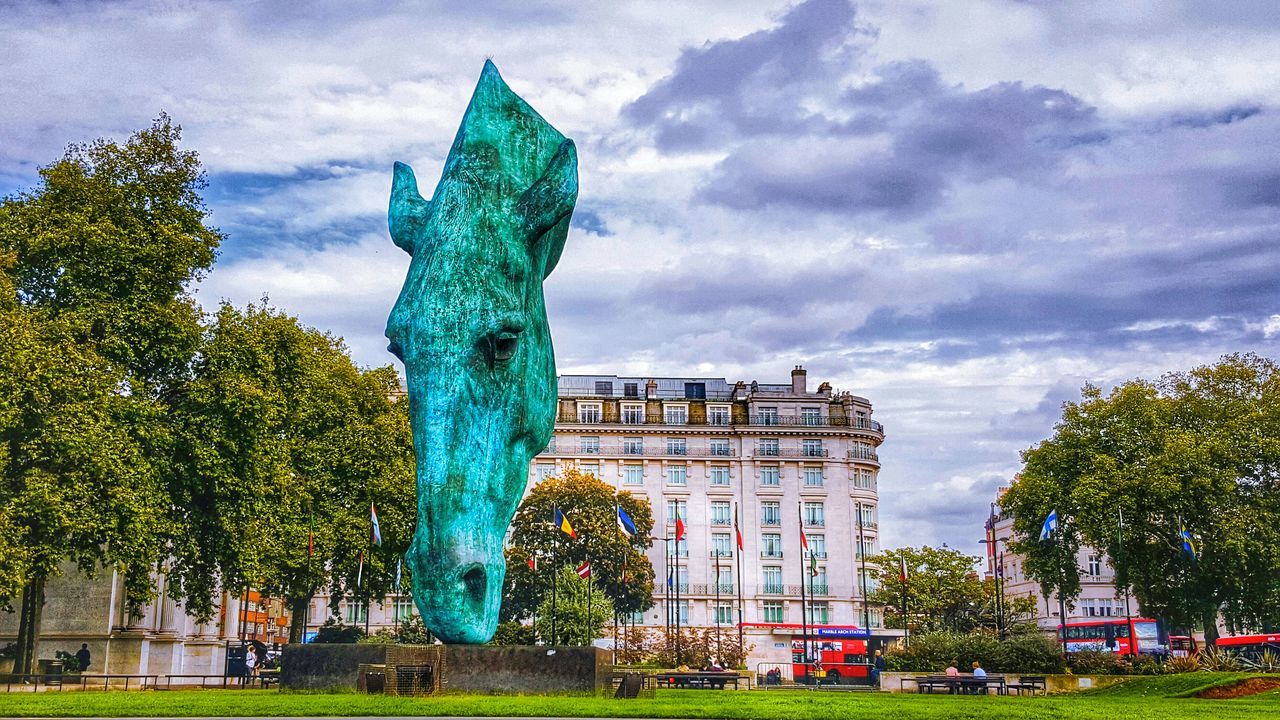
pixel 471 327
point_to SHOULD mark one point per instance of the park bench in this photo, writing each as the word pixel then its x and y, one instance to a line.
pixel 963 684
pixel 1030 683
pixel 703 679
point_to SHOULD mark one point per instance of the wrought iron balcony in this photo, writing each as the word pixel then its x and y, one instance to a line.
pixel 640 451
pixel 787 421
pixel 771 451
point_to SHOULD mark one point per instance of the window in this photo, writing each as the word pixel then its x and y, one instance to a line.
pixel 814 514
pixel 682 613
pixel 867 547
pixel 818 583
pixel 725 579
pixel 768 446
pixel 724 614
pixel 810 416
pixel 771 545
pixel 874 615
pixel 591 468
pixel 819 613
pixel 633 474
pixel 812 448
pixel 721 545
pixel 635 618
pixel 717 414
pixel 678 475
pixel 866 516
pixel 682 550
pixel 769 475
pixel 818 545
pixel 695 390
pixel 770 513
pixel 675 507
pixel 719 475
pixel 813 477
pixel 720 448
pixel 545 470
pixel 604 387
pixel 721 513
pixel 588 413
pixel 631 389
pixel 677 446
pixel 676 414
pixel 589 444
pixel 403 608
pixel 772 580
pixel 767 416
pixel 863 451
pixel 356 612
pixel 633 414
pixel 1095 566
pixel 773 612
pixel 864 479
pixel 633 446
pixel 867 579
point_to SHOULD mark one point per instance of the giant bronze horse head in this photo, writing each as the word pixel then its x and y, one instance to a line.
pixel 471 328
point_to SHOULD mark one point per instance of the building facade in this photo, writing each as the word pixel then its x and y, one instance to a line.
pixel 777 458
pixel 1098 595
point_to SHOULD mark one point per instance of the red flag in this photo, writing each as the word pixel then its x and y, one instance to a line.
pixel 533 563
pixel 902 569
pixel 584 570
pixel 311 544
pixel 739 532
pixel 679 527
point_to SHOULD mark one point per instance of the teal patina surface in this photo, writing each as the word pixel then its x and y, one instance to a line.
pixel 471 328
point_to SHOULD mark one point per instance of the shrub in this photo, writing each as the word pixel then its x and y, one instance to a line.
pixel 512 632
pixel 1214 659
pixel 1176 665
pixel 1143 665
pixel 335 632
pixel 932 652
pixel 1098 662
pixel 70 663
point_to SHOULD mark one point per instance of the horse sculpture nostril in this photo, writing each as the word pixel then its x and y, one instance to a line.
pixel 504 346
pixel 476 582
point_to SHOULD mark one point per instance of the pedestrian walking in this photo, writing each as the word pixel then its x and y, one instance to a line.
pixel 83 656
pixel 878 666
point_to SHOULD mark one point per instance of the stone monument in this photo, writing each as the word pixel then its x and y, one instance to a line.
pixel 471 327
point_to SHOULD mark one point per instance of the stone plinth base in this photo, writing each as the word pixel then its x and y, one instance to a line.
pixel 465 668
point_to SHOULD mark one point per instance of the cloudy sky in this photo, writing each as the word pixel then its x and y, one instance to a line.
pixel 961 209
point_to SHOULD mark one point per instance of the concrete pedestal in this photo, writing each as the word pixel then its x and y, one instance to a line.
pixel 464 668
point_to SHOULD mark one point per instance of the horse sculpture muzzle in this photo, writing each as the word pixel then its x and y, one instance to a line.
pixel 471 328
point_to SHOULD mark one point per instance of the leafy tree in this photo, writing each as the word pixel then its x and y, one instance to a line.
pixel 288 444
pixel 333 632
pixel 1195 449
pixel 942 590
pixel 578 613
pixel 99 329
pixel 409 631
pixel 619 566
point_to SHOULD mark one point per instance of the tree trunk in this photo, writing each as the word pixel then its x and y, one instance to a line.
pixel 298 608
pixel 29 626
pixel 1210 620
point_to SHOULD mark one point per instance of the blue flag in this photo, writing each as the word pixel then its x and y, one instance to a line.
pixel 1188 544
pixel 625 523
pixel 1050 525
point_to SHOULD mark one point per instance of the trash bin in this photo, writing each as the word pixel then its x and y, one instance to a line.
pixel 50 671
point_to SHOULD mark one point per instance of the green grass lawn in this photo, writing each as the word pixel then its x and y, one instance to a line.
pixel 1139 700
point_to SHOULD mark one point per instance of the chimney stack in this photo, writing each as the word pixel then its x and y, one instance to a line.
pixel 799 380
pixel 651 389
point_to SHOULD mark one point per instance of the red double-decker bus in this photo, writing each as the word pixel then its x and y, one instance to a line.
pixel 835 662
pixel 1250 648
pixel 1135 636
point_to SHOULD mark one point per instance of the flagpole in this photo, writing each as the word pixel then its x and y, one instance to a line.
pixel 555 570
pixel 804 612
pixel 862 558
pixel 719 651
pixel 906 615
pixel 1128 618
pixel 738 533
pixel 677 584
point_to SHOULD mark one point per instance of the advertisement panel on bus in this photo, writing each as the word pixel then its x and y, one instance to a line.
pixel 1140 636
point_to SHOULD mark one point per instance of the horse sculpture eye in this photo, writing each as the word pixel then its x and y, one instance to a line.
pixel 504 346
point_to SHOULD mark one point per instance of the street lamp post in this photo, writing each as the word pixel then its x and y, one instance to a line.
pixel 997 559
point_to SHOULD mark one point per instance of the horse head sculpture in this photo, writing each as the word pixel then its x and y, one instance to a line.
pixel 471 327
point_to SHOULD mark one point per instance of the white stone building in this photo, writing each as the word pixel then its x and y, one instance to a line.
pixel 774 454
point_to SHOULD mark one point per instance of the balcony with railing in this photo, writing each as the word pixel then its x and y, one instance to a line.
pixel 721 521
pixel 771 554
pixel 787 421
pixel 772 451
pixel 658 450
pixel 815 522
pixel 721 554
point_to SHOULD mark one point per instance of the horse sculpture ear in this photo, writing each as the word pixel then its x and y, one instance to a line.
pixel 546 207
pixel 408 212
